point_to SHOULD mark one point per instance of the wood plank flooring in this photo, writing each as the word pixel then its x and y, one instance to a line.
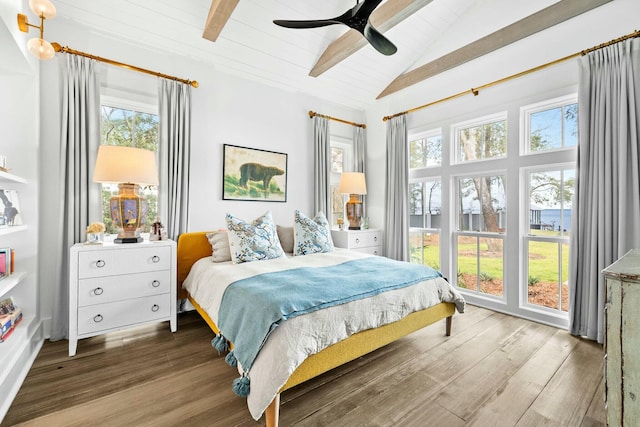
pixel 495 370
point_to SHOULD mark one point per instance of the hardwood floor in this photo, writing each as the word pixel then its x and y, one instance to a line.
pixel 495 370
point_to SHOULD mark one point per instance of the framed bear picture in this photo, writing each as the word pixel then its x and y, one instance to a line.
pixel 253 174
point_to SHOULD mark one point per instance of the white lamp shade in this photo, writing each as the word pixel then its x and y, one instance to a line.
pixel 43 8
pixel 41 49
pixel 352 183
pixel 116 164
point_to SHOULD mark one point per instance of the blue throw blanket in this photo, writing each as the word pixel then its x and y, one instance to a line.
pixel 251 308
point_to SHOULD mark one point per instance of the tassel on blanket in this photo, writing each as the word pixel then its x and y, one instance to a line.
pixel 231 359
pixel 241 386
pixel 220 343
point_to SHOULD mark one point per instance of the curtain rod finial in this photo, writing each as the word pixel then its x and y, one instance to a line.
pixel 195 84
pixel 311 114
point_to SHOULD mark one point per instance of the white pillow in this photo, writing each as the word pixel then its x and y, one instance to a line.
pixel 311 235
pixel 253 242
pixel 219 241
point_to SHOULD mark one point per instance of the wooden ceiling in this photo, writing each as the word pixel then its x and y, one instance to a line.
pixel 334 63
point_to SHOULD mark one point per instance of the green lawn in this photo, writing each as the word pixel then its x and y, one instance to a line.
pixel 543 258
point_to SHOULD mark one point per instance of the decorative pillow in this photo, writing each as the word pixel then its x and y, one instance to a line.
pixel 311 235
pixel 253 242
pixel 285 235
pixel 219 241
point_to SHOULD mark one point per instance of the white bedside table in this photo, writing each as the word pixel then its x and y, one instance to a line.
pixel 118 286
pixel 368 241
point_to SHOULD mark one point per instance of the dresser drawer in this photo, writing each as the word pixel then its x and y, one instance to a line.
pixel 100 263
pixel 101 290
pixel 95 318
pixel 373 250
pixel 363 239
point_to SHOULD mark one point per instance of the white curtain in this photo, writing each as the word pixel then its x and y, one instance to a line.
pixel 606 214
pixel 396 241
pixel 175 155
pixel 80 196
pixel 359 157
pixel 321 167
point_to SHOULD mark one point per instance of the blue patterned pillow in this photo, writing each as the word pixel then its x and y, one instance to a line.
pixel 311 236
pixel 257 241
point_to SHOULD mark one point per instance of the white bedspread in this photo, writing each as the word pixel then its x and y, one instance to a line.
pixel 297 338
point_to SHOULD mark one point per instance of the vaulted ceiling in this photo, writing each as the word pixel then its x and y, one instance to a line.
pixel 329 62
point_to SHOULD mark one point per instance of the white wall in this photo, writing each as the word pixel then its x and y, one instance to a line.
pixel 225 110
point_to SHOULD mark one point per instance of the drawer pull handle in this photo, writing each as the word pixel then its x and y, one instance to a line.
pixel 155 259
pixel 97 318
pixel 357 240
pixel 375 238
pixel 98 291
pixel 155 283
pixel 100 263
pixel 155 307
pixel 375 252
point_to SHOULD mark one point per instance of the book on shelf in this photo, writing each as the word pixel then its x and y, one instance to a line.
pixel 6 262
pixel 10 317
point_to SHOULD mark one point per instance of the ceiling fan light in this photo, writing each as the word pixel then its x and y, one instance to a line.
pixel 43 8
pixel 41 49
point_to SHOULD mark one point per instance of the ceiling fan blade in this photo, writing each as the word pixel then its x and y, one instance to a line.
pixel 378 41
pixel 305 24
pixel 366 7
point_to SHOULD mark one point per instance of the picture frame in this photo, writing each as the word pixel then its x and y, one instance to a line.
pixel 253 174
pixel 10 212
pixel 5 263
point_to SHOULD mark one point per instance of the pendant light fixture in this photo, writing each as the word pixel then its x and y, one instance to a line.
pixel 38 47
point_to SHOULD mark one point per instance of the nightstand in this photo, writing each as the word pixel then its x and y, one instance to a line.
pixel 368 241
pixel 118 286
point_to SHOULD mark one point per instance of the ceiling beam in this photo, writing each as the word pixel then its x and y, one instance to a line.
pixel 386 16
pixel 541 20
pixel 219 14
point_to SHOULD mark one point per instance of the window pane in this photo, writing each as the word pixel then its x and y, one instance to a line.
pixel 425 248
pixel 425 152
pixel 337 159
pixel 425 202
pixel 480 264
pixel 547 274
pixel 482 204
pixel 337 204
pixel 554 128
pixel 485 141
pixel 550 201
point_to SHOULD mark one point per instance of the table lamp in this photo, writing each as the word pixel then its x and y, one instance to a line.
pixel 354 184
pixel 129 168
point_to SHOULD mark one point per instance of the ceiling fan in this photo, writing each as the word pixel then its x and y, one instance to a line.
pixel 356 18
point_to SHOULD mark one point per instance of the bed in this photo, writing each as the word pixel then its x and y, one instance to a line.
pixel 194 252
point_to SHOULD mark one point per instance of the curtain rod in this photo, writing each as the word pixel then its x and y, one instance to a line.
pixel 58 48
pixel 313 113
pixel 476 91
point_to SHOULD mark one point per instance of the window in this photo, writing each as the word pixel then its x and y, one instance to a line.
pixel 341 161
pixel 425 202
pixel 550 125
pixel 550 199
pixel 481 139
pixel 425 198
pixel 481 223
pixel 132 126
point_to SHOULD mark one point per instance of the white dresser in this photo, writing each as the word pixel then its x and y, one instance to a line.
pixel 368 241
pixel 622 341
pixel 117 286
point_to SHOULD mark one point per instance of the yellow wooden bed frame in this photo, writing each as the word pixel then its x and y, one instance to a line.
pixel 195 245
